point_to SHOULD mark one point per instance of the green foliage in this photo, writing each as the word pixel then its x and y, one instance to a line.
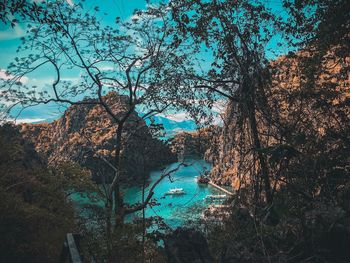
pixel 129 243
pixel 76 180
pixel 35 211
pixel 278 153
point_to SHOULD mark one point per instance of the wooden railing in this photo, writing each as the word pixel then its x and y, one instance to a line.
pixel 221 188
pixel 70 251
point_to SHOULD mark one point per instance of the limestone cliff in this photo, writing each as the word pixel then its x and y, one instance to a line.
pixel 302 102
pixel 200 143
pixel 85 134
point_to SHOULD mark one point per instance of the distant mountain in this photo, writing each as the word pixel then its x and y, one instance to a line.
pixel 173 127
pixel 48 114
pixel 85 133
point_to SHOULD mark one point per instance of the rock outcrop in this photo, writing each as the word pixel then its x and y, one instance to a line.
pixel 296 109
pixel 86 135
pixel 200 143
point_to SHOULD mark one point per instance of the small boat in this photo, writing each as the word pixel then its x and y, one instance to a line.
pixel 216 197
pixel 203 179
pixel 175 191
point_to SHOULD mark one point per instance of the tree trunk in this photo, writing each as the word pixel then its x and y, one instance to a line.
pixel 256 140
pixel 143 219
pixel 118 198
pixel 109 207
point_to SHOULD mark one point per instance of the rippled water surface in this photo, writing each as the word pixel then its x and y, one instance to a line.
pixel 175 209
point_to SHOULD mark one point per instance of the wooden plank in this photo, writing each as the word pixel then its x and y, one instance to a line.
pixel 73 250
pixel 220 188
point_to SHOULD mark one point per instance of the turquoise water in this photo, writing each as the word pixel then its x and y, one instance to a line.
pixel 174 209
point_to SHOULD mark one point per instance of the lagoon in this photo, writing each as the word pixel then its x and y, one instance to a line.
pixel 174 209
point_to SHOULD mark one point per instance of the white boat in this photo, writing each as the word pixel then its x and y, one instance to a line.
pixel 175 191
pixel 216 197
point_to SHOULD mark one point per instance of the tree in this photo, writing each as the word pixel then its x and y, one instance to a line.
pixel 10 9
pixel 35 212
pixel 135 59
pixel 235 34
pixel 301 112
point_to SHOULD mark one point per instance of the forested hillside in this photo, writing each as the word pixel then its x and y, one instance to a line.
pixel 35 214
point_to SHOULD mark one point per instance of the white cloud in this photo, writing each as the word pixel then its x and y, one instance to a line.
pixel 5 76
pixel 218 108
pixel 49 80
pixel 70 2
pixel 28 120
pixel 178 117
pixel 6 103
pixel 106 68
pixel 12 33
pixel 73 80
pixel 24 120
pixel 142 15
pixel 45 80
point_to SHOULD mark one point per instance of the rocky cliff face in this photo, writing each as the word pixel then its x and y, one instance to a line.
pixel 224 158
pixel 86 135
pixel 201 143
pixel 301 105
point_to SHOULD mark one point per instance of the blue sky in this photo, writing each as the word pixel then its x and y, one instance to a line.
pixel 10 40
